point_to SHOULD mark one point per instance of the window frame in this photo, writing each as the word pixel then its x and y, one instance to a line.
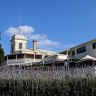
pixel 81 50
pixel 94 45
pixel 20 45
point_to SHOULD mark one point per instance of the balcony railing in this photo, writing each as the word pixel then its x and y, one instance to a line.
pixel 22 61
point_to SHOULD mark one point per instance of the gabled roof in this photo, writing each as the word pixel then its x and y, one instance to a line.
pixel 83 44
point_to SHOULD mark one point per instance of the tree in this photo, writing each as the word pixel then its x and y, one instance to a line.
pixel 65 52
pixel 1 55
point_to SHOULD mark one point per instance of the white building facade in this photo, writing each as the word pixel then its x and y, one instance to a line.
pixel 82 50
pixel 21 55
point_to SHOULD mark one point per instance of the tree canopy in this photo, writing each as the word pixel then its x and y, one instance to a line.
pixel 1 54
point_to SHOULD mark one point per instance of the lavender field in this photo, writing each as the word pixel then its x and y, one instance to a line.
pixel 47 81
pixel 45 72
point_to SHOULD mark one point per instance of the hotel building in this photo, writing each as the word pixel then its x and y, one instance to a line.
pixel 21 55
pixel 82 50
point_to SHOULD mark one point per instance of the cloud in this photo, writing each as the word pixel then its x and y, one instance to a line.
pixel 26 30
pixel 43 41
pixel 11 31
pixel 38 37
pixel 48 42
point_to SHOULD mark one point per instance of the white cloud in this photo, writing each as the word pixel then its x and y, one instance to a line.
pixel 26 30
pixel 11 31
pixel 38 37
pixel 47 42
pixel 43 41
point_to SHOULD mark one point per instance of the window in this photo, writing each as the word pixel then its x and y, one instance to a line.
pixel 81 50
pixel 94 45
pixel 73 52
pixel 12 48
pixel 20 45
pixel 38 56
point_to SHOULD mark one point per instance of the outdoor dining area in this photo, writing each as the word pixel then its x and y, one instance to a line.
pixel 84 62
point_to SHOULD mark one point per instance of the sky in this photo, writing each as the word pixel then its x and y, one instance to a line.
pixel 56 24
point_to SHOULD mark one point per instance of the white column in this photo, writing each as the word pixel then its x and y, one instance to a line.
pixel 95 70
pixel 42 56
pixel 43 60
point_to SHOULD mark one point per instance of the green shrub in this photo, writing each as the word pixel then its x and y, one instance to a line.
pixel 45 87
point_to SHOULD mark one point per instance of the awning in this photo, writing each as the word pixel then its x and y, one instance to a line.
pixel 87 57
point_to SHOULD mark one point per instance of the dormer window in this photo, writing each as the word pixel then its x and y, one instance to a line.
pixel 20 45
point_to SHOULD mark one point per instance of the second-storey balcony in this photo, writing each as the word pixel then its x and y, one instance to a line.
pixel 17 59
